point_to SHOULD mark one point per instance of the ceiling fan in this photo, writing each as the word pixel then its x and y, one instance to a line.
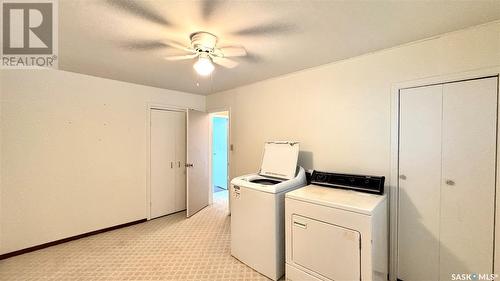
pixel 203 45
pixel 204 49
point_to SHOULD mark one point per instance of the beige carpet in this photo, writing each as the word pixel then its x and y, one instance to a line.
pixel 167 248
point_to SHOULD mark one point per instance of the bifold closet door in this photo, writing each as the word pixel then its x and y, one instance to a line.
pixel 168 157
pixel 162 157
pixel 180 165
pixel 447 167
pixel 468 177
pixel 420 178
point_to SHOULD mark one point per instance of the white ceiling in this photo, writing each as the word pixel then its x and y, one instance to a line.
pixel 117 39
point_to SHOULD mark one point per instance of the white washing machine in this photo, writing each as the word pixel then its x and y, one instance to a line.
pixel 335 234
pixel 258 206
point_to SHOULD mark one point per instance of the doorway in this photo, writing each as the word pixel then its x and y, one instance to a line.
pixel 178 164
pixel 167 162
pixel 220 157
pixel 457 146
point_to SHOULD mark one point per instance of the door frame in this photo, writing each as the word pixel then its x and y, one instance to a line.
pixel 149 108
pixel 229 145
pixel 394 168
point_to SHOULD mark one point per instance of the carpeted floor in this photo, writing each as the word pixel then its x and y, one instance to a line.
pixel 167 248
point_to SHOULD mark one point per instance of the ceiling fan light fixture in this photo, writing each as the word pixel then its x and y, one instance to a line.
pixel 204 65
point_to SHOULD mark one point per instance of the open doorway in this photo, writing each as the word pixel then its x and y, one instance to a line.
pixel 220 156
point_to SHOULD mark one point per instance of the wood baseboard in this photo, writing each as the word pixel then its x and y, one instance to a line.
pixel 64 240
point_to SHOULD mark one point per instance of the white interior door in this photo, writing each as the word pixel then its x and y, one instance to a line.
pixel 468 177
pixel 419 184
pixel 197 161
pixel 180 164
pixel 162 157
pixel 447 156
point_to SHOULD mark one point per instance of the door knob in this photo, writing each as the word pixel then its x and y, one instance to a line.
pixel 403 177
pixel 450 182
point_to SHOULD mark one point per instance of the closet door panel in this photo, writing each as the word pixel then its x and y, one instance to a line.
pixel 180 156
pixel 420 178
pixel 468 181
pixel 162 157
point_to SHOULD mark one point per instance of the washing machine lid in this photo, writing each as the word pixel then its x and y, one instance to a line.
pixel 279 159
pixel 251 181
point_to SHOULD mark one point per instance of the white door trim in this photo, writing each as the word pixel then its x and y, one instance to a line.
pixel 149 107
pixel 393 179
pixel 213 110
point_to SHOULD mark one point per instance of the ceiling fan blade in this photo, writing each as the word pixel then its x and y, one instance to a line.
pixel 144 45
pixel 252 57
pixel 138 9
pixel 183 57
pixel 266 29
pixel 208 7
pixel 227 63
pixel 177 45
pixel 233 51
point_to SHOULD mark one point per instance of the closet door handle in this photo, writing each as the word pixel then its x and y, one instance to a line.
pixel 188 165
pixel 171 165
pixel 402 177
pixel 299 224
pixel 179 163
pixel 450 182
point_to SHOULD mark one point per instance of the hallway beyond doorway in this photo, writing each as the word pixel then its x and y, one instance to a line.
pixel 220 139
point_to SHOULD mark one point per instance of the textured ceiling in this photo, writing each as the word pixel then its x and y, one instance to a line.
pixel 121 39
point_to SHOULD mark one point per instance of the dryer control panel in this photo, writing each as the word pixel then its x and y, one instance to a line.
pixel 363 183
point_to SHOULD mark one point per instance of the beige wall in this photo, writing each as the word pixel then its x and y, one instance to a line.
pixel 340 112
pixel 73 153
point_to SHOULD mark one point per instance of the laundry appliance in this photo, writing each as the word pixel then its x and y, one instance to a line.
pixel 258 207
pixel 336 229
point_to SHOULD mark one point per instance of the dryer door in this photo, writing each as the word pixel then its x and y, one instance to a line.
pixel 326 249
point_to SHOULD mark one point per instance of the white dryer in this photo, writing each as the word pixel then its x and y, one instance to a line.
pixel 335 234
pixel 258 206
